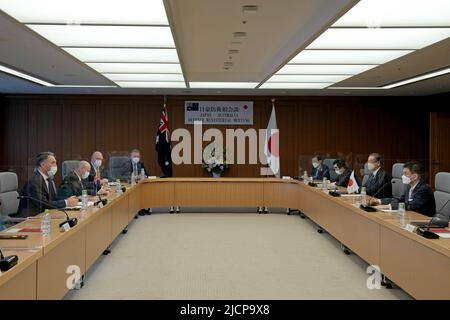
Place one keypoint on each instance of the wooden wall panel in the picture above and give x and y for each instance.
(74, 126)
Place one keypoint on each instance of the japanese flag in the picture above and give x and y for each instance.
(271, 145)
(352, 184)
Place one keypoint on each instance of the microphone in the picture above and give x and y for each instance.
(72, 221)
(8, 262)
(103, 201)
(368, 207)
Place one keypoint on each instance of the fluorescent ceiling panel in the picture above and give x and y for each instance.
(25, 76)
(379, 13)
(348, 56)
(143, 77)
(371, 38)
(124, 55)
(418, 78)
(335, 69)
(106, 36)
(223, 85)
(87, 11)
(307, 78)
(290, 85)
(125, 84)
(136, 67)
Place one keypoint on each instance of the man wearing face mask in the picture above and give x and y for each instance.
(379, 180)
(343, 173)
(77, 181)
(418, 195)
(98, 175)
(135, 165)
(42, 187)
(319, 170)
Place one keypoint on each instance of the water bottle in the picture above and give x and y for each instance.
(133, 179)
(305, 177)
(142, 173)
(363, 196)
(119, 187)
(84, 200)
(325, 185)
(401, 214)
(46, 223)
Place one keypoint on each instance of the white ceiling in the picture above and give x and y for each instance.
(203, 34)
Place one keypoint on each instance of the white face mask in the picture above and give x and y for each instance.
(136, 159)
(315, 165)
(86, 175)
(371, 166)
(97, 163)
(52, 172)
(339, 172)
(406, 180)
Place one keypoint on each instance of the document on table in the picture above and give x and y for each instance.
(79, 206)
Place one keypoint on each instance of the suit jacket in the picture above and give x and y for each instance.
(37, 188)
(374, 183)
(320, 173)
(73, 186)
(127, 169)
(103, 174)
(342, 179)
(421, 201)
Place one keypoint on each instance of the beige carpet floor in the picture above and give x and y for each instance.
(227, 256)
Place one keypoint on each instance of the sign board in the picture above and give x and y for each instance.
(219, 112)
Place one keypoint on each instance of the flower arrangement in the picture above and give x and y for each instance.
(214, 160)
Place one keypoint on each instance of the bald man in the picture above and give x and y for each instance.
(77, 181)
(98, 175)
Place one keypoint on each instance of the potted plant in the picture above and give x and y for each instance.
(214, 161)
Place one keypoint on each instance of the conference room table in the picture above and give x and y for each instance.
(419, 266)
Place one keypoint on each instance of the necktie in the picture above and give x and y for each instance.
(51, 189)
(135, 169)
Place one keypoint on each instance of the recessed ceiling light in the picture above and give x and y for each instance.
(307, 78)
(233, 51)
(338, 69)
(223, 85)
(290, 85)
(124, 55)
(149, 12)
(370, 38)
(144, 77)
(348, 56)
(418, 78)
(150, 84)
(136, 67)
(397, 13)
(24, 76)
(106, 36)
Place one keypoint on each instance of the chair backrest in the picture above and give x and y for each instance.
(442, 194)
(116, 164)
(366, 174)
(329, 164)
(68, 166)
(398, 188)
(8, 193)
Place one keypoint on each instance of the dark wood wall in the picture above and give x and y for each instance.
(74, 126)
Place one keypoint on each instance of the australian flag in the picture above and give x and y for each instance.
(163, 147)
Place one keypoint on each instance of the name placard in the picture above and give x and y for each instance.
(219, 112)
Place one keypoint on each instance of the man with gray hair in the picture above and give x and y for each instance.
(42, 189)
(77, 181)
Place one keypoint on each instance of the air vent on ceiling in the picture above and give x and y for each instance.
(239, 34)
(249, 9)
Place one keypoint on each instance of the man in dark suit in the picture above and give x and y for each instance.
(98, 175)
(418, 195)
(78, 180)
(343, 173)
(319, 170)
(135, 166)
(379, 180)
(41, 187)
